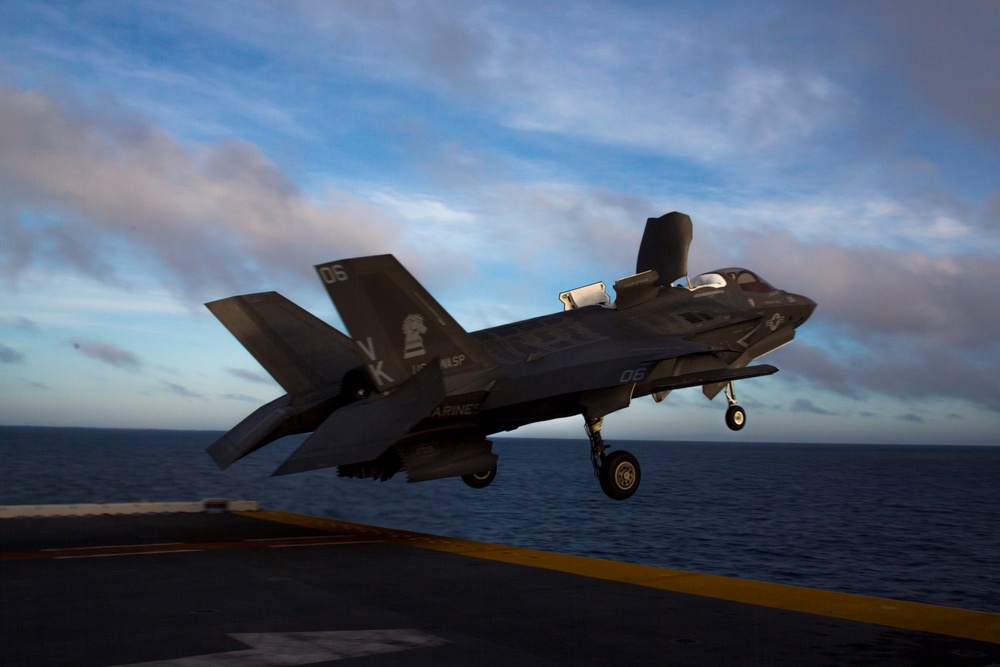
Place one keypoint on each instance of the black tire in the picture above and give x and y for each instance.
(736, 417)
(619, 475)
(481, 480)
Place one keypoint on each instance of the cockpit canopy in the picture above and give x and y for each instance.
(748, 281)
(707, 280)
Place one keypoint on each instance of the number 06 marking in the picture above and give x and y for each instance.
(332, 274)
(630, 375)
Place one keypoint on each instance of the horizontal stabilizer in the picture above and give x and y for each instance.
(365, 429)
(250, 434)
(269, 422)
(302, 353)
(710, 376)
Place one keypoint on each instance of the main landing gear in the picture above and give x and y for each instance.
(736, 417)
(618, 471)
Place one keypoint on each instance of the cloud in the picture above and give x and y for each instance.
(108, 353)
(813, 137)
(907, 370)
(911, 417)
(873, 292)
(563, 225)
(808, 360)
(211, 218)
(657, 80)
(807, 406)
(180, 390)
(904, 324)
(945, 55)
(9, 355)
(22, 324)
(439, 42)
(252, 376)
(243, 398)
(599, 87)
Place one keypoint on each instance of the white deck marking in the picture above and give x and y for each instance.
(323, 544)
(127, 553)
(114, 546)
(305, 648)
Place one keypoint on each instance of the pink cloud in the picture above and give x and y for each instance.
(215, 217)
(108, 353)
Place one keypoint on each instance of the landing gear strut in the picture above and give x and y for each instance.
(617, 472)
(736, 417)
(597, 445)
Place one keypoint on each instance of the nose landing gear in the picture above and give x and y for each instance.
(618, 472)
(736, 417)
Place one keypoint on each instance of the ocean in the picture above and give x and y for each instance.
(918, 523)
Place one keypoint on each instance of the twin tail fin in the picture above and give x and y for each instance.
(397, 325)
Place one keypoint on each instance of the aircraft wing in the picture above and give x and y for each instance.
(567, 372)
(363, 430)
(721, 375)
(781, 337)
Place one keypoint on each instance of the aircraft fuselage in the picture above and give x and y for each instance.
(410, 389)
(545, 364)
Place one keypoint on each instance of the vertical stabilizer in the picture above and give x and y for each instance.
(397, 325)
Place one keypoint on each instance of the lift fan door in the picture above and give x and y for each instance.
(664, 247)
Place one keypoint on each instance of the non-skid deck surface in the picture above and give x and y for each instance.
(257, 588)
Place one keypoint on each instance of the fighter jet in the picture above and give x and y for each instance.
(411, 390)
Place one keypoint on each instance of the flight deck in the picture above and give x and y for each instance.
(224, 583)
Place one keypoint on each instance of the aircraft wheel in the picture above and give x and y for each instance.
(736, 417)
(479, 480)
(619, 475)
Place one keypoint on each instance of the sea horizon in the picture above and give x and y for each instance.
(512, 435)
(909, 522)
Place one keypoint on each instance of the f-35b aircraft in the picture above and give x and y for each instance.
(411, 390)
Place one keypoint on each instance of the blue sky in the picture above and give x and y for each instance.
(154, 156)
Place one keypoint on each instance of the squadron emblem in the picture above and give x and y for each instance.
(413, 332)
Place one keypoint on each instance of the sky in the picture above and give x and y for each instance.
(155, 156)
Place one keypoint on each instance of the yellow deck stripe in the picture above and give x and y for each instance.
(981, 626)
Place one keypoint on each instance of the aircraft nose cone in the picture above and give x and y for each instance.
(802, 309)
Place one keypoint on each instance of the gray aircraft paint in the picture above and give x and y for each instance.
(413, 391)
